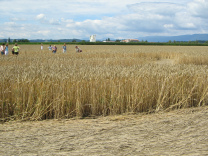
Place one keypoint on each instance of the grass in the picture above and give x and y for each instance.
(103, 80)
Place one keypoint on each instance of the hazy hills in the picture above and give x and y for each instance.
(194, 37)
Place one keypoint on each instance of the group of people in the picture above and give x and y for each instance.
(5, 49)
(54, 48)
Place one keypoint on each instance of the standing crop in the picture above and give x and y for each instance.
(103, 80)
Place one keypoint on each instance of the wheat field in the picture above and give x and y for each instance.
(102, 80)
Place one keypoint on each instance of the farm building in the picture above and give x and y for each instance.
(130, 40)
(108, 41)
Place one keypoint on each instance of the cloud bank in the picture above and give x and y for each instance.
(42, 19)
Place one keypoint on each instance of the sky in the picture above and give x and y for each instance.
(114, 19)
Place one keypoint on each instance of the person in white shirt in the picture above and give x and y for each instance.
(6, 49)
(2, 49)
(78, 50)
(64, 48)
(50, 47)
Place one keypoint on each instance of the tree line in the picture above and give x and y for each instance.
(117, 42)
(17, 41)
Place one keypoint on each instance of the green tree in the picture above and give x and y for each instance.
(24, 40)
(83, 42)
(196, 42)
(108, 39)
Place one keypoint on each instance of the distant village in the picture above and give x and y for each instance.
(195, 38)
(91, 39)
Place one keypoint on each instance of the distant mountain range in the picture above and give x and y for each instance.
(46, 40)
(194, 37)
(185, 38)
(60, 40)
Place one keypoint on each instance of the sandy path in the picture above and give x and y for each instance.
(181, 132)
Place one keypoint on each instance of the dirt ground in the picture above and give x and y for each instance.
(180, 132)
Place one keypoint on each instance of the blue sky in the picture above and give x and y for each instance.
(116, 19)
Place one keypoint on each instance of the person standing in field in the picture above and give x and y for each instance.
(41, 47)
(2, 49)
(64, 48)
(54, 49)
(7, 49)
(49, 48)
(16, 49)
(78, 50)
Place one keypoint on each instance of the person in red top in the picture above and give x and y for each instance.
(54, 49)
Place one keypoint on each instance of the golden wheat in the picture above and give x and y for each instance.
(103, 80)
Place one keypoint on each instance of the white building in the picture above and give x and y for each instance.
(130, 40)
(93, 38)
(108, 41)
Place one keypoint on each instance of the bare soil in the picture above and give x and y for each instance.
(180, 132)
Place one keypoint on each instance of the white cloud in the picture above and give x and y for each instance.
(9, 23)
(116, 19)
(45, 32)
(198, 8)
(43, 19)
(168, 25)
(40, 16)
(163, 8)
(54, 22)
(18, 19)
